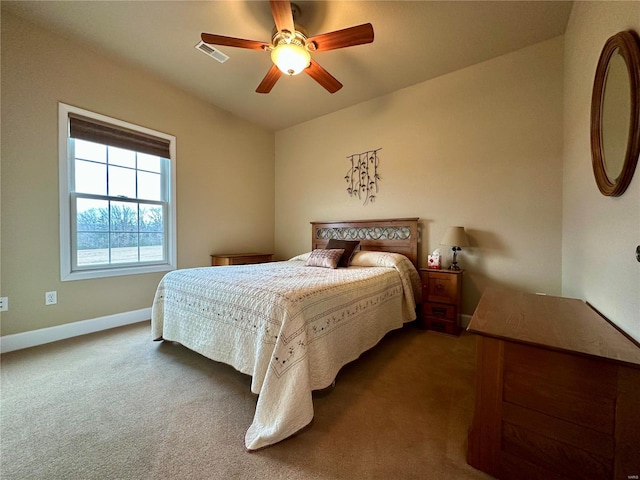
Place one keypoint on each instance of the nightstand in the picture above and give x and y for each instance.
(240, 258)
(441, 300)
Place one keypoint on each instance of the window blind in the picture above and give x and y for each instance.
(93, 131)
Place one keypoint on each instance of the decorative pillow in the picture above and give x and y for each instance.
(327, 258)
(349, 247)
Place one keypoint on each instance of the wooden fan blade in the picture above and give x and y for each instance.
(232, 42)
(282, 15)
(269, 80)
(323, 77)
(347, 37)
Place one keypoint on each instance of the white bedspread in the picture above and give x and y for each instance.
(289, 326)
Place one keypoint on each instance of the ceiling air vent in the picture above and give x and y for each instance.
(212, 52)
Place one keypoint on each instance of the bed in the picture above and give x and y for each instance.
(292, 326)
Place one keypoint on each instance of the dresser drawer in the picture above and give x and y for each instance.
(439, 310)
(442, 287)
(442, 325)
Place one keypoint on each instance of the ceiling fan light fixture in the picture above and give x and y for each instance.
(290, 58)
(291, 46)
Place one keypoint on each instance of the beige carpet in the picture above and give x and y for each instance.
(115, 405)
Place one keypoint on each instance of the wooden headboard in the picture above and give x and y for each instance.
(398, 235)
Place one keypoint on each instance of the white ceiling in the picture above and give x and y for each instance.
(414, 41)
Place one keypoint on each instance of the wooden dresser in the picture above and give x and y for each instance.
(441, 300)
(240, 258)
(557, 391)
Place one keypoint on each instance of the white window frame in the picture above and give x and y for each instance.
(67, 206)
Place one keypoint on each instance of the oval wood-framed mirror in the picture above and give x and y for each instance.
(615, 114)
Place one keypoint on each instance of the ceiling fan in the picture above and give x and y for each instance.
(290, 46)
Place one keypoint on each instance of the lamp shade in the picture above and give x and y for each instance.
(455, 237)
(290, 58)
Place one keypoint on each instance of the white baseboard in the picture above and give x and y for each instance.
(18, 341)
(464, 320)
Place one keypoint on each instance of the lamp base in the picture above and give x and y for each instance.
(454, 263)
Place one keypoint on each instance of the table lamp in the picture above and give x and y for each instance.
(455, 237)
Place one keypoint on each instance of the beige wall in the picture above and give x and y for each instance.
(225, 174)
(600, 233)
(480, 147)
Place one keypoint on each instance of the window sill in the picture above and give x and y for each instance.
(115, 272)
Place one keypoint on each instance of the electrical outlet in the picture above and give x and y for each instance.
(50, 298)
(4, 304)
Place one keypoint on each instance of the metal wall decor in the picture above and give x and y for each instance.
(363, 176)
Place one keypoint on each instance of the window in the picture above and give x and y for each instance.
(117, 197)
